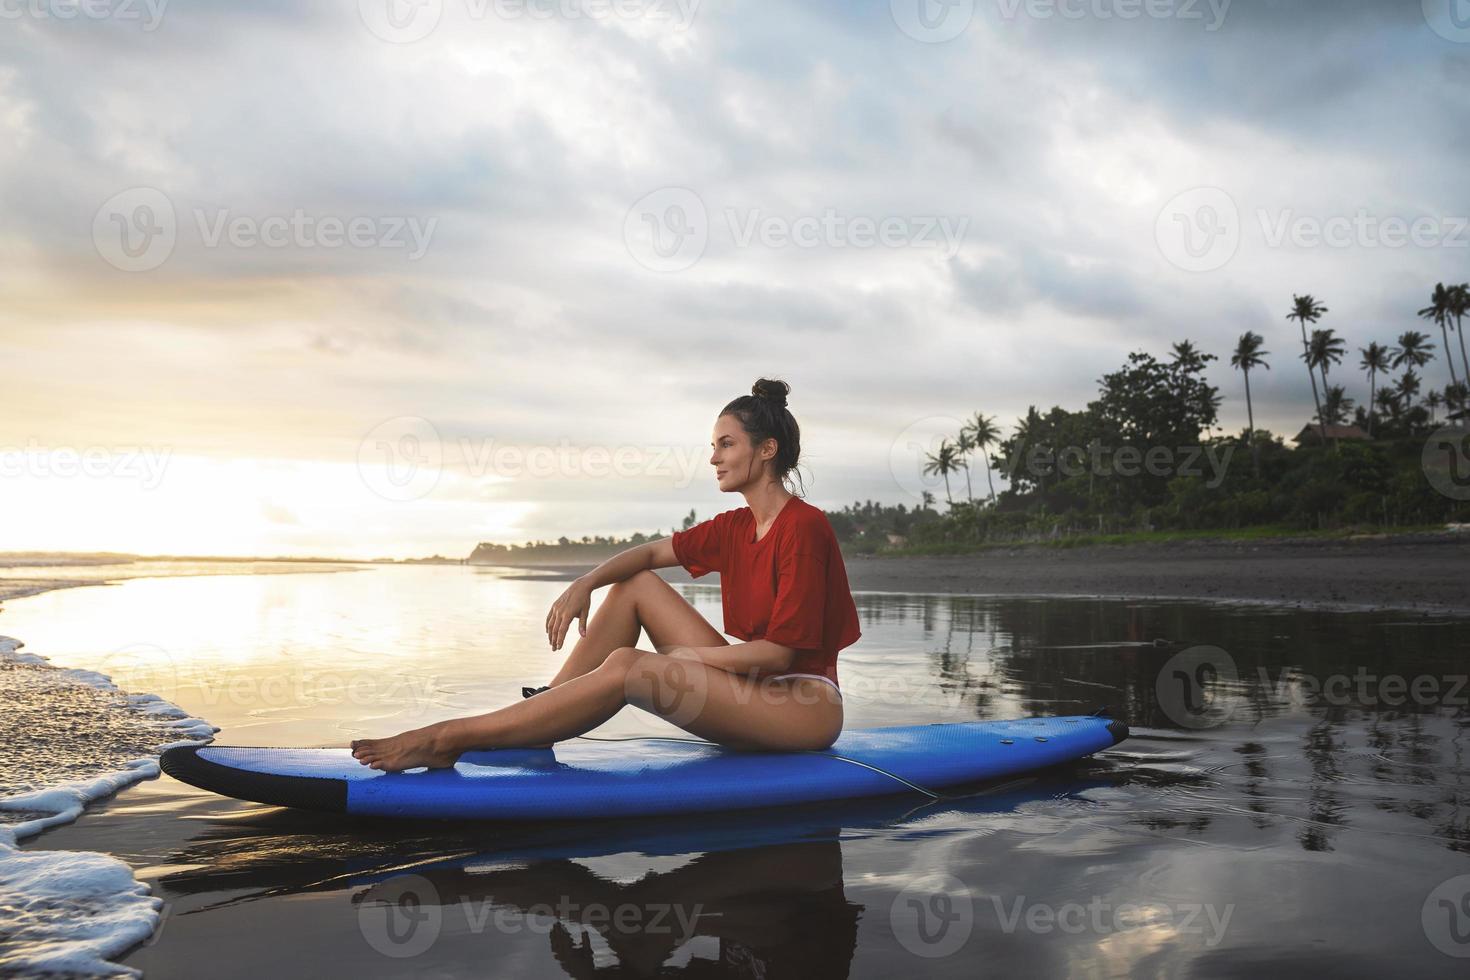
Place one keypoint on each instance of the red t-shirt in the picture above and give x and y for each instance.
(790, 587)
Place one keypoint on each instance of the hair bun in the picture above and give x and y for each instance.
(774, 392)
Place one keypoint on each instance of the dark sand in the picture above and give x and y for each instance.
(1429, 573)
(1425, 572)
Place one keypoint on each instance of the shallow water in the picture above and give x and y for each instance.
(1295, 794)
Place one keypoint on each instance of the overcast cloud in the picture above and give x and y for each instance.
(261, 232)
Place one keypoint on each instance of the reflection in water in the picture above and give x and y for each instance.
(1313, 814)
(751, 894)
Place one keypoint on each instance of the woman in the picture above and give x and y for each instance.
(785, 595)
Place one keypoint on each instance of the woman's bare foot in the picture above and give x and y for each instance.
(407, 750)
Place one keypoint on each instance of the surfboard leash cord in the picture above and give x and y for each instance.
(829, 755)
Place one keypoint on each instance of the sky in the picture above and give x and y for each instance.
(386, 278)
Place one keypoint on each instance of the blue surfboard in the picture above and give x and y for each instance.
(644, 776)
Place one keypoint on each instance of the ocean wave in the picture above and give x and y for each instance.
(73, 737)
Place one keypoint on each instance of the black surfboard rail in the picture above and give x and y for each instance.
(183, 763)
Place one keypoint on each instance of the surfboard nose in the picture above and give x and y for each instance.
(1118, 729)
(187, 765)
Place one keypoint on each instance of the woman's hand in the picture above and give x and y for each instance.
(573, 604)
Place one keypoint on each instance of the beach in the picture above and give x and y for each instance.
(1428, 573)
(1418, 572)
(317, 659)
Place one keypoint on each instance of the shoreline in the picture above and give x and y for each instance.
(1422, 573)
(1425, 573)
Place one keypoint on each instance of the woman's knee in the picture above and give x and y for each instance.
(622, 660)
(633, 584)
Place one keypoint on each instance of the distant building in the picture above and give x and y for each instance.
(1313, 433)
(898, 540)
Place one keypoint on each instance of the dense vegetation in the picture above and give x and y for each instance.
(1143, 456)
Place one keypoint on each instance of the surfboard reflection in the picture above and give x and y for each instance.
(773, 911)
(756, 893)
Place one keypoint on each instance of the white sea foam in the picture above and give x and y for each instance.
(69, 911)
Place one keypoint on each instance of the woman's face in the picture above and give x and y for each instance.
(736, 462)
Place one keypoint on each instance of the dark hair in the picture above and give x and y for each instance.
(763, 415)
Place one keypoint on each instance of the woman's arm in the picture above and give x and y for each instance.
(576, 601)
(626, 564)
(740, 658)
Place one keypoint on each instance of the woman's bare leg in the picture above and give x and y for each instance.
(732, 709)
(642, 601)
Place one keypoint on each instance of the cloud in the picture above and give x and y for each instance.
(1053, 141)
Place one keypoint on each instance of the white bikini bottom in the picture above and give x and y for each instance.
(821, 677)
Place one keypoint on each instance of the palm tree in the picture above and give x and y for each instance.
(1390, 397)
(1375, 359)
(1187, 355)
(1327, 349)
(1248, 354)
(984, 433)
(1455, 397)
(1306, 310)
(944, 462)
(1459, 306)
(964, 446)
(1028, 436)
(1408, 387)
(1337, 405)
(1414, 350)
(1434, 399)
(1439, 312)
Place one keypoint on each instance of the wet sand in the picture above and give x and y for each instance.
(1429, 573)
(1426, 572)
